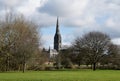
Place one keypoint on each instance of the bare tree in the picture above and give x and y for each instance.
(93, 46)
(19, 40)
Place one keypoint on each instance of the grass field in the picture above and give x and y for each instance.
(78, 75)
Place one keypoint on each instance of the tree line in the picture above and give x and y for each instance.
(20, 48)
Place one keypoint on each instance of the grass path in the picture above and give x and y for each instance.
(80, 75)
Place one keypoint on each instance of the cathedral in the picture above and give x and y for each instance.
(57, 38)
(57, 42)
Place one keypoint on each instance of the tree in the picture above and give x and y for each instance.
(93, 46)
(18, 41)
(65, 55)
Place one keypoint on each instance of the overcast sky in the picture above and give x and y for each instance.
(76, 17)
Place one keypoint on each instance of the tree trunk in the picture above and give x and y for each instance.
(7, 63)
(94, 66)
(23, 69)
(91, 66)
(59, 63)
(79, 63)
(87, 65)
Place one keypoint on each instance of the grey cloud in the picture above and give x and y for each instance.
(63, 7)
(85, 15)
(79, 12)
(11, 4)
(90, 16)
(117, 2)
(54, 7)
(109, 31)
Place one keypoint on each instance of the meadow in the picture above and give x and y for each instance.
(69, 75)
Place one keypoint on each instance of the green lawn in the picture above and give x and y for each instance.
(80, 75)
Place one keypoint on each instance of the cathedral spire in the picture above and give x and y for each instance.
(57, 27)
(57, 37)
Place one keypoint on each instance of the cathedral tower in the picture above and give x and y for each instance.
(57, 37)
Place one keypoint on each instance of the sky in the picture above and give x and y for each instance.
(76, 17)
